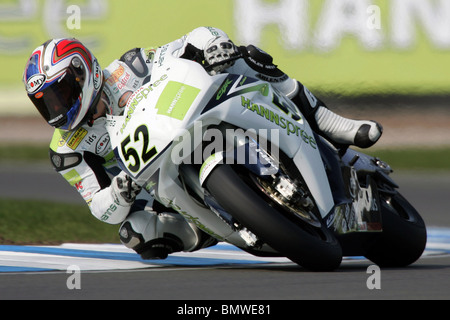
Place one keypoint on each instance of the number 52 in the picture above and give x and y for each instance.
(145, 153)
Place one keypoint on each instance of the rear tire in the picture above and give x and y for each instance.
(404, 235)
(313, 248)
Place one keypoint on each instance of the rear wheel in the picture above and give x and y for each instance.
(312, 247)
(404, 235)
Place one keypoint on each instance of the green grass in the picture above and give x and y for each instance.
(415, 159)
(42, 222)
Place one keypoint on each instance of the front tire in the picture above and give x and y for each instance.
(313, 248)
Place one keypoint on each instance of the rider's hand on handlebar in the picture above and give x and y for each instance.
(220, 50)
(125, 190)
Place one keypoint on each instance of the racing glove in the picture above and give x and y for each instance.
(124, 189)
(217, 50)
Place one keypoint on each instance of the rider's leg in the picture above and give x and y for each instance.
(337, 129)
(156, 233)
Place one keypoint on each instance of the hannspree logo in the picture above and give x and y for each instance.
(290, 127)
(35, 83)
(138, 96)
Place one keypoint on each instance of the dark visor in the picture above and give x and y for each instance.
(56, 101)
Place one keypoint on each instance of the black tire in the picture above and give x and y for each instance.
(404, 235)
(316, 250)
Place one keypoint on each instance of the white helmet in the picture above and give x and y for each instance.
(64, 82)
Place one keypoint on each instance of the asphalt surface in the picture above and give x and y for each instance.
(428, 278)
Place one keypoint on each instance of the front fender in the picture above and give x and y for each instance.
(248, 154)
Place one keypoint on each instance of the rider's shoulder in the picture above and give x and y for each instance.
(124, 76)
(137, 60)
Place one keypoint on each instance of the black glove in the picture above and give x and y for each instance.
(219, 50)
(125, 189)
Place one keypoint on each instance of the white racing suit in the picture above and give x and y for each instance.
(85, 159)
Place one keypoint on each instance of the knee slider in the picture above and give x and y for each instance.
(156, 235)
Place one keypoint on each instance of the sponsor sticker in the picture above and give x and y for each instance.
(97, 75)
(35, 82)
(76, 138)
(102, 144)
(73, 177)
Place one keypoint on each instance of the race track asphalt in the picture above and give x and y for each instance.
(428, 278)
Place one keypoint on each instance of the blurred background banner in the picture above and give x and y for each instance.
(347, 48)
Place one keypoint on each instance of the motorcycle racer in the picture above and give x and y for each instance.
(73, 94)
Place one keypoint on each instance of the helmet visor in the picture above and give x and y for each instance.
(59, 103)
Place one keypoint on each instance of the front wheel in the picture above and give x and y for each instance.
(314, 248)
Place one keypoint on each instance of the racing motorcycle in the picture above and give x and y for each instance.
(237, 158)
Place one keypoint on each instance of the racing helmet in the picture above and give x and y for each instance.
(64, 81)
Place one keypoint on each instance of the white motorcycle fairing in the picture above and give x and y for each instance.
(167, 118)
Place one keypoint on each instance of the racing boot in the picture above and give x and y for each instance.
(155, 235)
(331, 126)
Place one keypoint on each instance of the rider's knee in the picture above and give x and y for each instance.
(156, 235)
